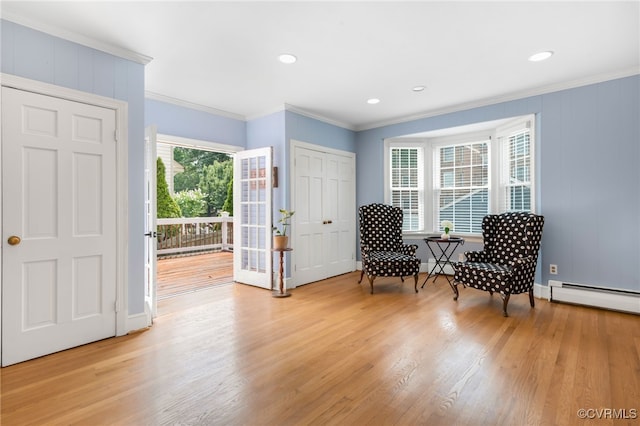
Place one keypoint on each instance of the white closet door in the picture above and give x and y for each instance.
(324, 202)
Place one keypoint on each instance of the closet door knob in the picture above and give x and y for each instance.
(14, 240)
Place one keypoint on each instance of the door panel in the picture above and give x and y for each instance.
(309, 239)
(59, 197)
(252, 257)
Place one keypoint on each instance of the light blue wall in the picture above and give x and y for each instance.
(587, 176)
(38, 56)
(317, 132)
(189, 123)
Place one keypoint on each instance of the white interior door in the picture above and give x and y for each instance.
(150, 221)
(310, 247)
(340, 213)
(324, 202)
(59, 199)
(252, 211)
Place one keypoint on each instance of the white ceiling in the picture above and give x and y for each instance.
(223, 55)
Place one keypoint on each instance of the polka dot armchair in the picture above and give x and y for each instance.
(507, 265)
(383, 252)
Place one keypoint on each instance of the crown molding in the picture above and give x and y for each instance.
(505, 98)
(191, 105)
(78, 38)
(303, 112)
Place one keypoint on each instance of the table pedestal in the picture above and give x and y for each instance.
(280, 292)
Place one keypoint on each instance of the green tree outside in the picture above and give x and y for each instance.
(192, 202)
(228, 203)
(167, 207)
(206, 171)
(214, 182)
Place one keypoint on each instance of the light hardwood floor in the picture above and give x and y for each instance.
(335, 354)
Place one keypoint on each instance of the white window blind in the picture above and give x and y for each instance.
(516, 150)
(406, 184)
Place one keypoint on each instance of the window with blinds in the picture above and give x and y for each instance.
(461, 187)
(517, 171)
(407, 188)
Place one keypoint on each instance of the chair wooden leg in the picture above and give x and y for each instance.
(415, 277)
(454, 287)
(531, 301)
(402, 278)
(361, 275)
(371, 278)
(505, 300)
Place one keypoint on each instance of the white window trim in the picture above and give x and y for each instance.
(429, 145)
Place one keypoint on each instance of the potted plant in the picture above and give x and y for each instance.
(280, 238)
(447, 226)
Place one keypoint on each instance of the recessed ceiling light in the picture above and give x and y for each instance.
(287, 58)
(373, 101)
(541, 56)
(418, 88)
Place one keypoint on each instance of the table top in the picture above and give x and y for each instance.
(282, 249)
(439, 239)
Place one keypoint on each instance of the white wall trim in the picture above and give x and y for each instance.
(186, 104)
(122, 178)
(541, 291)
(197, 144)
(506, 98)
(77, 38)
(139, 321)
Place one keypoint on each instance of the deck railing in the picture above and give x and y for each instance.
(192, 234)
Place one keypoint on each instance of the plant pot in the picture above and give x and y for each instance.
(444, 236)
(280, 242)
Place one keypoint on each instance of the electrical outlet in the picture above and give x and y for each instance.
(553, 269)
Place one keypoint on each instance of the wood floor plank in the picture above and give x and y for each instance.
(184, 274)
(333, 354)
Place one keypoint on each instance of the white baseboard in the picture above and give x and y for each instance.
(138, 322)
(541, 291)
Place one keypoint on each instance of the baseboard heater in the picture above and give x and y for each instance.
(580, 294)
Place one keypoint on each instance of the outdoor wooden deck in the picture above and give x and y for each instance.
(179, 275)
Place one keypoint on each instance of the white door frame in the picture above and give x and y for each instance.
(122, 179)
(152, 301)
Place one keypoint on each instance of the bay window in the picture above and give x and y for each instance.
(461, 176)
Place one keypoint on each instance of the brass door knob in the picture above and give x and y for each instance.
(14, 240)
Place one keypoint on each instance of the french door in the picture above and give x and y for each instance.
(150, 222)
(252, 211)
